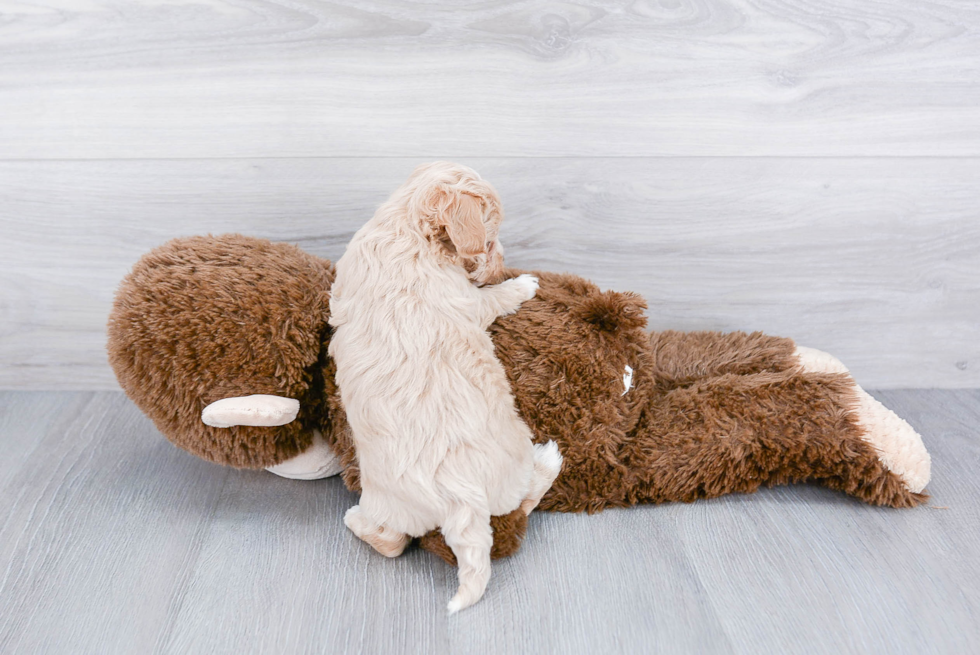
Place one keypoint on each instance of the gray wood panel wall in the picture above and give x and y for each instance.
(809, 168)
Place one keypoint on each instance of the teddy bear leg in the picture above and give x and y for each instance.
(738, 432)
(386, 541)
(316, 462)
(898, 445)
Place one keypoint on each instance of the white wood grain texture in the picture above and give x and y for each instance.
(248, 78)
(874, 260)
(112, 541)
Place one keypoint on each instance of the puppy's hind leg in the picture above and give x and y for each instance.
(547, 466)
(468, 534)
(384, 540)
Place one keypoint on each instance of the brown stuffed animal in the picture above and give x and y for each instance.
(206, 322)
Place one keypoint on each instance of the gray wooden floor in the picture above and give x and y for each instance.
(113, 541)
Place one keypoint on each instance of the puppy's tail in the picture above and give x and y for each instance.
(467, 532)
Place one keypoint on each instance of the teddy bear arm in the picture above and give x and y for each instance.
(256, 409)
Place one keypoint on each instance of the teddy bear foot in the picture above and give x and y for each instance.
(317, 461)
(898, 445)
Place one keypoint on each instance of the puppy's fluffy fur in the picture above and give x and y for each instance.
(439, 441)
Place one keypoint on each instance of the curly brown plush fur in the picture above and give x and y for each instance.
(205, 318)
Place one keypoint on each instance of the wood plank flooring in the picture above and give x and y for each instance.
(113, 541)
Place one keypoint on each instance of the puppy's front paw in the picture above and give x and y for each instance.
(508, 296)
(527, 284)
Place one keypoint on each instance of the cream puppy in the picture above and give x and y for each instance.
(439, 441)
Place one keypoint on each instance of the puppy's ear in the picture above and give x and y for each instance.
(463, 220)
(450, 202)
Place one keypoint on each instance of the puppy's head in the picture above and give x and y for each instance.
(460, 214)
